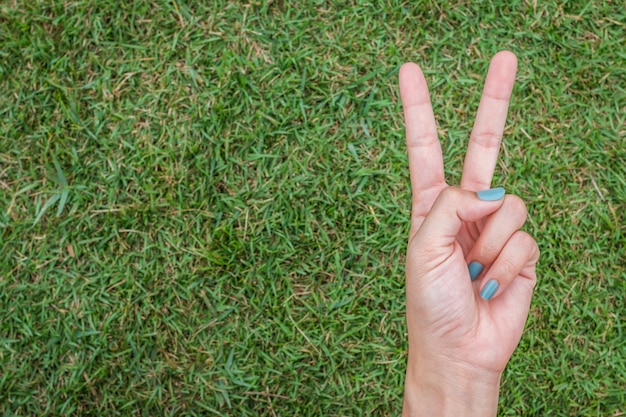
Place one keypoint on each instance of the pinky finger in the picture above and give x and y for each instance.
(520, 252)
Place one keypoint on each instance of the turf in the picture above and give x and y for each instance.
(204, 205)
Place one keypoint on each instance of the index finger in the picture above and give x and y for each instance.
(486, 136)
(425, 157)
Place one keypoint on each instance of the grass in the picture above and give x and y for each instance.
(204, 205)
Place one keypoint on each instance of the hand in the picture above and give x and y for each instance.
(470, 271)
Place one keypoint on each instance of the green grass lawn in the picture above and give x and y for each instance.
(204, 207)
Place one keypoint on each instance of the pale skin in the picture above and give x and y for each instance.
(459, 342)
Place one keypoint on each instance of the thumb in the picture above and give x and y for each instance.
(452, 208)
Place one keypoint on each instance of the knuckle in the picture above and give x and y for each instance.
(526, 241)
(486, 139)
(489, 249)
(509, 267)
(447, 194)
(516, 207)
(422, 139)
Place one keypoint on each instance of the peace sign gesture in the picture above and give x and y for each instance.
(470, 271)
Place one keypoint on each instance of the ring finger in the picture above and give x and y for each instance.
(497, 231)
(516, 254)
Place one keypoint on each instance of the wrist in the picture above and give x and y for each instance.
(458, 390)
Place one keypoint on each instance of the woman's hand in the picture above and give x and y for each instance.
(470, 271)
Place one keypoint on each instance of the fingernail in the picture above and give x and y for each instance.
(489, 289)
(475, 269)
(493, 194)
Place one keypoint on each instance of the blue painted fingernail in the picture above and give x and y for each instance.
(493, 194)
(475, 269)
(489, 289)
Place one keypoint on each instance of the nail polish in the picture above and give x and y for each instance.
(489, 289)
(493, 194)
(475, 268)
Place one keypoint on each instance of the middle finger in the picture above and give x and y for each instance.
(486, 136)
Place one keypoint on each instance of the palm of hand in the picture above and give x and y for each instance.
(461, 325)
